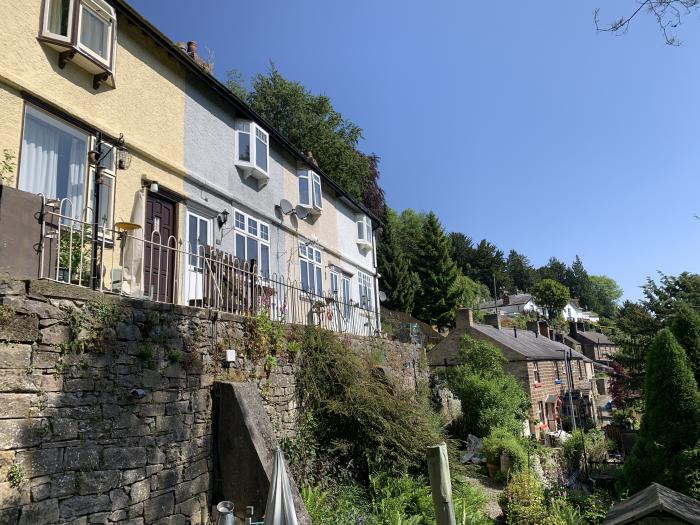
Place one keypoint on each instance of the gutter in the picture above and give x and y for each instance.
(163, 41)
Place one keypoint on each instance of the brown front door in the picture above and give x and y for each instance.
(159, 260)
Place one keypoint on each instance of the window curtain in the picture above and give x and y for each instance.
(39, 166)
(93, 32)
(76, 179)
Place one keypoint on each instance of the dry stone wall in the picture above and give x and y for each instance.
(106, 408)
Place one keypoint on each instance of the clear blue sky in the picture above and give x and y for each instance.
(513, 121)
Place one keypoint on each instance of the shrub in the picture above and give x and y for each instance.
(501, 440)
(522, 500)
(596, 448)
(566, 512)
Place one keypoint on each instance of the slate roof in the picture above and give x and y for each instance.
(532, 348)
(655, 498)
(594, 337)
(513, 300)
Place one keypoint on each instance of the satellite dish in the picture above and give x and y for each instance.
(382, 297)
(286, 206)
(301, 212)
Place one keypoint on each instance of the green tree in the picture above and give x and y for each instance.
(670, 428)
(397, 280)
(551, 295)
(578, 282)
(235, 82)
(410, 226)
(604, 295)
(437, 272)
(488, 261)
(311, 123)
(685, 325)
(470, 293)
(520, 270)
(554, 269)
(490, 398)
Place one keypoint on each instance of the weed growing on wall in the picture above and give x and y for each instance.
(15, 475)
(90, 325)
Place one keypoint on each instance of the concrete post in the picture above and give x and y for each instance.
(440, 484)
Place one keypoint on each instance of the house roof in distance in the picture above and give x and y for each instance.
(654, 499)
(513, 300)
(594, 337)
(527, 344)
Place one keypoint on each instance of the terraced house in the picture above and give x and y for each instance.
(153, 180)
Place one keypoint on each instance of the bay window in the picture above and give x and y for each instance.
(365, 285)
(364, 232)
(53, 161)
(252, 151)
(83, 31)
(310, 269)
(310, 190)
(252, 241)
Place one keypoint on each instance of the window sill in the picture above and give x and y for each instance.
(537, 384)
(312, 210)
(251, 171)
(68, 52)
(364, 246)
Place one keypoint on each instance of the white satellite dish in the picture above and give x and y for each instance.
(301, 212)
(286, 206)
(382, 297)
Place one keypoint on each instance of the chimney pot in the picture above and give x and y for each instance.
(192, 48)
(515, 332)
(494, 320)
(464, 318)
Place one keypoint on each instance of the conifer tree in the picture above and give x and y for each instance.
(437, 273)
(397, 280)
(685, 325)
(670, 428)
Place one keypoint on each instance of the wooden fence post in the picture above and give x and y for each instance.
(440, 484)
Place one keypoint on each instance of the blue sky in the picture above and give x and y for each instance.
(513, 121)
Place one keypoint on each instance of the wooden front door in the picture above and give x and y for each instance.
(159, 255)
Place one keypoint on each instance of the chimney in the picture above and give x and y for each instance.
(192, 48)
(533, 327)
(580, 326)
(544, 329)
(464, 318)
(573, 329)
(493, 319)
(310, 157)
(505, 298)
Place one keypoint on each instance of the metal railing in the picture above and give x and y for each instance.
(163, 270)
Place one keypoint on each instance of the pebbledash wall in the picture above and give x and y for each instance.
(79, 442)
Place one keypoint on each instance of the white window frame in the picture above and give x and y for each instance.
(365, 284)
(104, 12)
(46, 32)
(109, 172)
(245, 231)
(309, 180)
(310, 264)
(193, 251)
(363, 231)
(536, 372)
(250, 128)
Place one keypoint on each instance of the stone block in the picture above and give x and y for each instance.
(119, 499)
(9, 516)
(19, 433)
(13, 497)
(45, 360)
(133, 475)
(40, 462)
(15, 405)
(167, 478)
(19, 381)
(14, 355)
(101, 518)
(78, 385)
(159, 507)
(128, 332)
(41, 513)
(140, 491)
(124, 458)
(41, 492)
(20, 329)
(97, 482)
(55, 334)
(195, 469)
(190, 489)
(81, 505)
(7, 458)
(63, 484)
(82, 458)
(42, 309)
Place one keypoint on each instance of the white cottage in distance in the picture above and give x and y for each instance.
(523, 303)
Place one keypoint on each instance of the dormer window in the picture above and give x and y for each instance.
(84, 32)
(252, 151)
(310, 190)
(364, 232)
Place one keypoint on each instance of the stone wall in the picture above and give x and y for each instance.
(106, 403)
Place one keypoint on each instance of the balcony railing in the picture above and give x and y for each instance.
(162, 270)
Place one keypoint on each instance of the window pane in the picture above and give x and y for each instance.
(253, 227)
(94, 32)
(240, 248)
(360, 231)
(265, 260)
(264, 232)
(260, 154)
(334, 283)
(192, 239)
(244, 146)
(368, 231)
(317, 256)
(252, 249)
(304, 271)
(304, 191)
(203, 232)
(239, 220)
(312, 278)
(57, 17)
(319, 281)
(317, 193)
(107, 157)
(54, 160)
(106, 192)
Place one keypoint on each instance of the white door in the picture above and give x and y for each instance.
(198, 236)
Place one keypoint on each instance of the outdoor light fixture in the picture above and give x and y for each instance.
(98, 155)
(222, 218)
(152, 185)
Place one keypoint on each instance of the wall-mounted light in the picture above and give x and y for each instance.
(152, 185)
(222, 218)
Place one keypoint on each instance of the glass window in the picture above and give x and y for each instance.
(365, 288)
(346, 297)
(252, 241)
(334, 285)
(197, 238)
(304, 195)
(58, 15)
(239, 220)
(244, 146)
(540, 410)
(106, 197)
(261, 149)
(318, 203)
(264, 232)
(264, 260)
(54, 161)
(94, 32)
(536, 371)
(310, 269)
(240, 248)
(252, 250)
(252, 226)
(364, 229)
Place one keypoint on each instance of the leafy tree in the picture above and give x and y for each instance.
(551, 295)
(462, 252)
(397, 280)
(236, 84)
(604, 295)
(470, 293)
(409, 229)
(437, 272)
(311, 123)
(578, 282)
(685, 325)
(520, 270)
(670, 428)
(554, 269)
(490, 397)
(488, 261)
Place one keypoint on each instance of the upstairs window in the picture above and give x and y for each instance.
(252, 151)
(536, 371)
(84, 31)
(364, 231)
(310, 190)
(310, 269)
